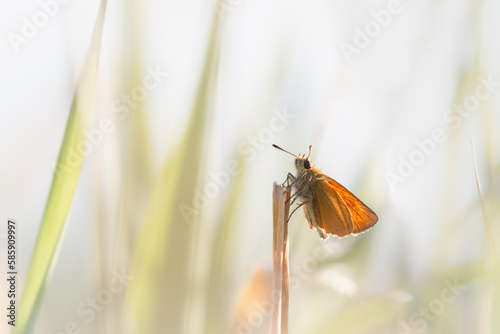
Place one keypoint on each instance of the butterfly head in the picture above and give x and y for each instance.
(302, 163)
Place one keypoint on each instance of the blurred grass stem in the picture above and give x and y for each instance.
(483, 210)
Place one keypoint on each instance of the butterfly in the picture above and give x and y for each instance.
(329, 207)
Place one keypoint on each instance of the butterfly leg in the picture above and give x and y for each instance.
(288, 178)
(294, 196)
(290, 216)
(295, 179)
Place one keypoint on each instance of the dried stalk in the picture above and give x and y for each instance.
(281, 208)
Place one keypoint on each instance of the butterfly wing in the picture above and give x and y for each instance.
(309, 213)
(309, 204)
(327, 212)
(362, 217)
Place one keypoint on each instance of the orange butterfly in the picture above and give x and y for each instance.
(330, 208)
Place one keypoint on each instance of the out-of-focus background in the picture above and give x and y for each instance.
(167, 228)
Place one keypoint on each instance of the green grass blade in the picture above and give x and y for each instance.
(64, 183)
(159, 296)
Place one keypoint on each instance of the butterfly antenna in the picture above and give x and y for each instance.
(309, 151)
(279, 148)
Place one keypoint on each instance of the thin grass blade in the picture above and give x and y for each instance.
(483, 210)
(64, 182)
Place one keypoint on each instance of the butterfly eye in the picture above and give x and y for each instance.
(307, 165)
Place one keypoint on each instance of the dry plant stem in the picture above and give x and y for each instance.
(281, 209)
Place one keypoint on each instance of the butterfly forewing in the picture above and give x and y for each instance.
(362, 217)
(330, 211)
